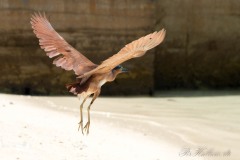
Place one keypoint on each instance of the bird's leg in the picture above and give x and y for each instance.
(81, 115)
(86, 127)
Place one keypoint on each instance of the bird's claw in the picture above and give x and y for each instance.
(80, 126)
(86, 128)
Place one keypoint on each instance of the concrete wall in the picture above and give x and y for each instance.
(96, 28)
(201, 49)
(202, 45)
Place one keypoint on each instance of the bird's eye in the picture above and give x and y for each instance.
(117, 67)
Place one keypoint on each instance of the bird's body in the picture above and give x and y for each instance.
(91, 84)
(90, 77)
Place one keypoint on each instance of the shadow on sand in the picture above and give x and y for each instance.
(196, 93)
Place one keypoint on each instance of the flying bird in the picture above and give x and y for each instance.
(90, 76)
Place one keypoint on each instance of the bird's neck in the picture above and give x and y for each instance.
(112, 76)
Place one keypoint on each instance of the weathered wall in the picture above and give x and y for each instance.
(201, 49)
(202, 45)
(96, 28)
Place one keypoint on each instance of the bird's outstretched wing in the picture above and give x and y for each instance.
(67, 58)
(134, 49)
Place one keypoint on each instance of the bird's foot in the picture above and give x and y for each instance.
(80, 126)
(86, 127)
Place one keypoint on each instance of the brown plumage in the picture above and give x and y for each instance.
(90, 77)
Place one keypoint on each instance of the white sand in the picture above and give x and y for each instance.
(45, 128)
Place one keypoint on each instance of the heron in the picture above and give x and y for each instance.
(90, 77)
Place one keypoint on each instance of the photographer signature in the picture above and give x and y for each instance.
(203, 152)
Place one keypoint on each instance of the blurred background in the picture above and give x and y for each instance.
(200, 51)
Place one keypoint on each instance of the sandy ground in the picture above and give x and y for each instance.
(163, 128)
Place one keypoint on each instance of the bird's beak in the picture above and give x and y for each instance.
(124, 70)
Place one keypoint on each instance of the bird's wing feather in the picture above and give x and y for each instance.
(134, 49)
(67, 57)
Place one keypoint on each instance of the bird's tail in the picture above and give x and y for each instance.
(72, 87)
(75, 88)
(79, 86)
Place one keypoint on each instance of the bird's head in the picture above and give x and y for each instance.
(120, 69)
